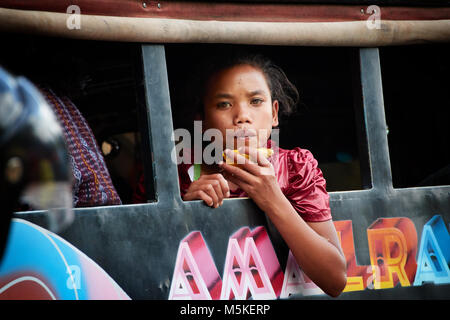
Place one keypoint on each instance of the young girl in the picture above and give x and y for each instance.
(242, 98)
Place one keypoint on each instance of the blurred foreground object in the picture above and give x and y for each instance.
(34, 164)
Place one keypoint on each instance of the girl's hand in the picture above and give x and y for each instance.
(256, 176)
(211, 188)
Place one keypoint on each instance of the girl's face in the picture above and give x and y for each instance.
(239, 99)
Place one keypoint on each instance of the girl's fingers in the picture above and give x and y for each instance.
(243, 163)
(199, 195)
(210, 184)
(255, 155)
(220, 185)
(236, 174)
(264, 168)
(217, 190)
(236, 180)
(210, 188)
(224, 184)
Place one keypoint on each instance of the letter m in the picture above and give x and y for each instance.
(251, 267)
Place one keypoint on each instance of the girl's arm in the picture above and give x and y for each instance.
(315, 246)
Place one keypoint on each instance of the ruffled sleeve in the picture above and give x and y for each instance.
(305, 187)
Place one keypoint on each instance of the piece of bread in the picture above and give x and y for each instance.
(265, 151)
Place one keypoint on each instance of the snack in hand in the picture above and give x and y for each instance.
(265, 151)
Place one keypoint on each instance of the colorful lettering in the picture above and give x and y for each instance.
(251, 267)
(195, 275)
(357, 276)
(296, 281)
(392, 249)
(434, 253)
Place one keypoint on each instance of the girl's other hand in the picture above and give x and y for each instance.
(211, 188)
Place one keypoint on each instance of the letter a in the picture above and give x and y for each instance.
(434, 253)
(195, 275)
(74, 20)
(296, 281)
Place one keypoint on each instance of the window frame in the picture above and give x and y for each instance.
(368, 108)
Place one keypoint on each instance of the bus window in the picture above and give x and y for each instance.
(416, 99)
(327, 122)
(98, 81)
